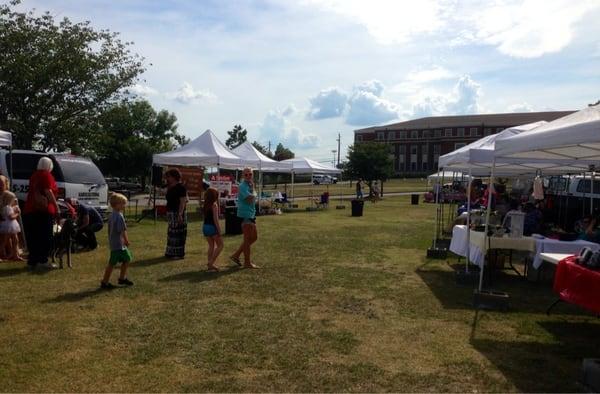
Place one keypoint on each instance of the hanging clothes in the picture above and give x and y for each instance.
(538, 188)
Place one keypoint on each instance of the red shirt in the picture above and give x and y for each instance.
(41, 180)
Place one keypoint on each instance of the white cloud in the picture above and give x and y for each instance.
(372, 86)
(416, 80)
(142, 90)
(328, 103)
(522, 107)
(389, 21)
(464, 99)
(277, 127)
(187, 95)
(290, 110)
(365, 108)
(531, 28)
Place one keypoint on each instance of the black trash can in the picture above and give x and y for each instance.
(414, 199)
(357, 207)
(233, 224)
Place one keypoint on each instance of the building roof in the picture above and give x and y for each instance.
(491, 120)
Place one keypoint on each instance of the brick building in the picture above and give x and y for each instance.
(417, 144)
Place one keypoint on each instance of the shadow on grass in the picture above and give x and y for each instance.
(200, 276)
(78, 296)
(4, 273)
(151, 261)
(525, 297)
(553, 366)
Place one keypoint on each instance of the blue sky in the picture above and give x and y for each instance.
(300, 72)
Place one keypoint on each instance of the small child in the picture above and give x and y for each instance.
(9, 227)
(118, 240)
(211, 228)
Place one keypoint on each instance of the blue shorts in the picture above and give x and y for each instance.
(209, 230)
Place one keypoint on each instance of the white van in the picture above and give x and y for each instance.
(76, 176)
(570, 197)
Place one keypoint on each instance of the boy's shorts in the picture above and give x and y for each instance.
(120, 256)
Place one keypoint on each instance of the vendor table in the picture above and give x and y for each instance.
(554, 258)
(479, 247)
(546, 245)
(577, 285)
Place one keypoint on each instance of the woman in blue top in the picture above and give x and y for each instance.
(246, 211)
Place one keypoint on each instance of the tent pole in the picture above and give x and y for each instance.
(436, 191)
(292, 186)
(467, 258)
(592, 194)
(487, 218)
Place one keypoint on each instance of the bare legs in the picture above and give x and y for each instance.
(109, 269)
(250, 236)
(215, 247)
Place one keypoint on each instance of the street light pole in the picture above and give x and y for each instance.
(333, 162)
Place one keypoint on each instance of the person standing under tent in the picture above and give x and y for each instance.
(246, 211)
(177, 199)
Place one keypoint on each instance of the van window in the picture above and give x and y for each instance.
(26, 163)
(584, 186)
(79, 170)
(557, 184)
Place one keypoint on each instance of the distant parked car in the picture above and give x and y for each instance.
(115, 184)
(324, 180)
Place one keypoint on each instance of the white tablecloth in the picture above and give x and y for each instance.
(479, 247)
(547, 245)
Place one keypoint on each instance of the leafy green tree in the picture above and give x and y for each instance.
(369, 161)
(237, 137)
(129, 133)
(57, 76)
(262, 149)
(282, 153)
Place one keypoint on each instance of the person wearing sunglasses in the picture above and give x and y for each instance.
(246, 211)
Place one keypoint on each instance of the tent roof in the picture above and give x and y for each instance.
(448, 175)
(5, 138)
(303, 165)
(575, 137)
(479, 157)
(206, 150)
(248, 152)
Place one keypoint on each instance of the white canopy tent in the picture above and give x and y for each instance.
(206, 151)
(303, 165)
(5, 138)
(249, 153)
(440, 175)
(573, 137)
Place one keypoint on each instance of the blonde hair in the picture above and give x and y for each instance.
(45, 164)
(117, 198)
(7, 198)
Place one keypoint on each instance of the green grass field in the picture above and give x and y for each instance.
(340, 304)
(348, 188)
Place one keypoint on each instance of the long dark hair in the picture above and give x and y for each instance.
(211, 195)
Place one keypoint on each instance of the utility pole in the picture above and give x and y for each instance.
(333, 162)
(269, 146)
(338, 150)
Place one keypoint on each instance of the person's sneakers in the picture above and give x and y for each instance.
(107, 286)
(48, 266)
(126, 282)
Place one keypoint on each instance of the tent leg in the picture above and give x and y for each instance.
(487, 218)
(467, 258)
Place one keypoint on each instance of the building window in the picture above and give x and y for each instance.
(413, 166)
(380, 135)
(487, 131)
(437, 133)
(459, 145)
(401, 158)
(424, 166)
(413, 150)
(499, 129)
(460, 132)
(393, 149)
(447, 132)
(402, 149)
(391, 135)
(426, 133)
(359, 137)
(436, 149)
(414, 134)
(402, 135)
(473, 131)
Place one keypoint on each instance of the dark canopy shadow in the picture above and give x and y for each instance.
(200, 276)
(545, 367)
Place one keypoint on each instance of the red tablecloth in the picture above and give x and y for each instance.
(577, 285)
